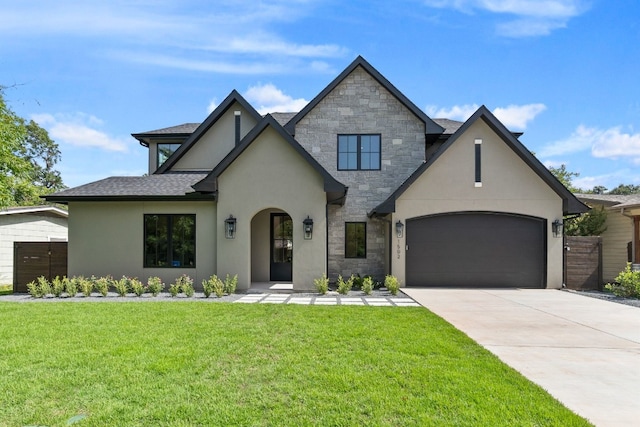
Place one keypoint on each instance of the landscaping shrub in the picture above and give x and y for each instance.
(322, 284)
(367, 285)
(213, 285)
(187, 288)
(218, 288)
(137, 287)
(39, 287)
(70, 286)
(174, 289)
(155, 285)
(230, 284)
(627, 283)
(392, 284)
(184, 284)
(85, 285)
(57, 286)
(101, 284)
(344, 286)
(121, 286)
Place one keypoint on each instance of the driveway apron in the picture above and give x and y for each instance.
(584, 351)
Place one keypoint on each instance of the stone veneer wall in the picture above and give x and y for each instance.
(360, 105)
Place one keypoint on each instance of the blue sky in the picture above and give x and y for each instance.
(564, 72)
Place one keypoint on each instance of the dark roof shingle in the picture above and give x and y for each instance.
(166, 185)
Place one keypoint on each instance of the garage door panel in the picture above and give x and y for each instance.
(476, 250)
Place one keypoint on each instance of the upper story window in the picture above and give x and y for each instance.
(165, 151)
(359, 152)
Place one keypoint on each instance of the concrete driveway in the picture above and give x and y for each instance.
(584, 351)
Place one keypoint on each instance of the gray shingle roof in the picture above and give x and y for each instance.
(617, 200)
(179, 129)
(166, 185)
(283, 118)
(450, 126)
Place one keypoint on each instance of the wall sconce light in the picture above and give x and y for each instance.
(399, 229)
(556, 227)
(308, 228)
(230, 227)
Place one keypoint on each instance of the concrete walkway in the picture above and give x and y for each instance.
(585, 352)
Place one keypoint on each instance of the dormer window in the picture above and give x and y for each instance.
(359, 152)
(165, 151)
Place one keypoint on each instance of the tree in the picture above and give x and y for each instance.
(625, 189)
(565, 177)
(22, 147)
(591, 223)
(43, 154)
(599, 189)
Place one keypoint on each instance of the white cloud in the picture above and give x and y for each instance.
(518, 116)
(212, 105)
(532, 17)
(457, 112)
(609, 143)
(147, 30)
(270, 99)
(79, 130)
(512, 116)
(614, 144)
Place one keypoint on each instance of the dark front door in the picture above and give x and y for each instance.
(281, 247)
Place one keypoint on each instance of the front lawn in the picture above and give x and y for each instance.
(192, 363)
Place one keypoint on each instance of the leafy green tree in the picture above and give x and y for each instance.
(627, 189)
(27, 160)
(598, 189)
(565, 177)
(591, 223)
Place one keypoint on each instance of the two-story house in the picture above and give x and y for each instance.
(361, 181)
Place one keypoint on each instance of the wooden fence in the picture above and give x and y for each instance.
(34, 259)
(583, 262)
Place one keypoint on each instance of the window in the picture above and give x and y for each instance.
(170, 241)
(478, 144)
(355, 240)
(358, 152)
(165, 151)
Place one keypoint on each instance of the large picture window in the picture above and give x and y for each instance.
(170, 241)
(355, 240)
(165, 151)
(358, 152)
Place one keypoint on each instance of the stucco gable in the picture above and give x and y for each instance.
(431, 127)
(334, 189)
(571, 205)
(232, 99)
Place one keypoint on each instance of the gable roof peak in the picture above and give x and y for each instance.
(233, 97)
(431, 127)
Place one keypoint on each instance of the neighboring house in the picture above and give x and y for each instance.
(385, 188)
(621, 239)
(28, 224)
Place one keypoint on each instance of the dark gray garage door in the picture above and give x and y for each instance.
(476, 249)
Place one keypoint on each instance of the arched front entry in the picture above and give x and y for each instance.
(271, 246)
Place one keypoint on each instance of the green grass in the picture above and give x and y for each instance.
(194, 363)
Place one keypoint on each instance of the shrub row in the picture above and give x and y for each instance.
(41, 287)
(627, 283)
(366, 284)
